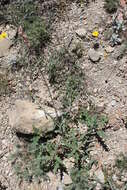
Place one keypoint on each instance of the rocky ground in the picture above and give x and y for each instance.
(106, 80)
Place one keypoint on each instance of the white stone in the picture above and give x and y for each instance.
(81, 32)
(100, 176)
(25, 115)
(5, 44)
(98, 187)
(109, 49)
(67, 179)
(113, 103)
(93, 55)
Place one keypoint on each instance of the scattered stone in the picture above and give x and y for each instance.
(3, 72)
(77, 49)
(109, 49)
(115, 120)
(82, 128)
(113, 103)
(98, 186)
(100, 107)
(123, 179)
(11, 31)
(69, 163)
(95, 90)
(35, 186)
(93, 55)
(67, 179)
(74, 44)
(99, 174)
(108, 33)
(25, 116)
(115, 178)
(5, 44)
(54, 181)
(60, 187)
(100, 30)
(120, 51)
(8, 62)
(81, 32)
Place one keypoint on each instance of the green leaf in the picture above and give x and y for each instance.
(101, 134)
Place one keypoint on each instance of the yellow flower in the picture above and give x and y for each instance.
(3, 35)
(95, 33)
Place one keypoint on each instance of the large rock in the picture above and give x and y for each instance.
(24, 116)
(5, 45)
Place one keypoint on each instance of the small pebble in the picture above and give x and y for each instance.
(81, 32)
(93, 55)
(113, 103)
(109, 49)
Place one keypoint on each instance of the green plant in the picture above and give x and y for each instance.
(4, 84)
(55, 66)
(41, 156)
(81, 2)
(62, 64)
(72, 89)
(121, 162)
(25, 14)
(109, 184)
(95, 123)
(65, 74)
(19, 12)
(81, 179)
(123, 50)
(37, 34)
(118, 170)
(111, 5)
(78, 50)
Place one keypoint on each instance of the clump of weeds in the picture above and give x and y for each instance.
(111, 5)
(5, 86)
(43, 155)
(66, 75)
(33, 30)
